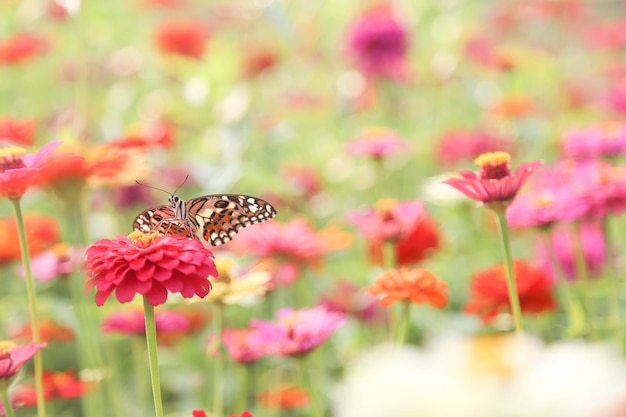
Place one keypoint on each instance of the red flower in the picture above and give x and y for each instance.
(414, 285)
(21, 47)
(490, 292)
(149, 264)
(41, 233)
(19, 171)
(13, 356)
(494, 182)
(63, 385)
(17, 131)
(158, 134)
(185, 38)
(257, 60)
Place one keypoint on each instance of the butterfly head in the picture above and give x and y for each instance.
(174, 200)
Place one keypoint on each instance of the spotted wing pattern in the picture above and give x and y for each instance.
(220, 217)
(162, 218)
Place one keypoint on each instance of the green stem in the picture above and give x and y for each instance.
(309, 384)
(243, 386)
(516, 309)
(405, 319)
(4, 393)
(614, 285)
(151, 339)
(218, 362)
(34, 311)
(389, 255)
(583, 278)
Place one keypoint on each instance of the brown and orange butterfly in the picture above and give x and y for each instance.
(217, 217)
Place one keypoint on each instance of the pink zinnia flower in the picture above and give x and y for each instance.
(19, 171)
(494, 183)
(296, 332)
(59, 260)
(241, 347)
(601, 187)
(13, 356)
(616, 96)
(378, 43)
(291, 245)
(377, 142)
(133, 322)
(17, 131)
(389, 221)
(605, 140)
(151, 265)
(202, 413)
(460, 145)
(347, 298)
(185, 38)
(563, 241)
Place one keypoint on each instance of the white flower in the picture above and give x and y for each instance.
(494, 376)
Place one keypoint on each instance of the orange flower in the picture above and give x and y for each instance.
(41, 233)
(414, 285)
(49, 330)
(284, 397)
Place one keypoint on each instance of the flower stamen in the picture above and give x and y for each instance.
(144, 239)
(11, 158)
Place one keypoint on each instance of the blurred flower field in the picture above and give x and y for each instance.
(415, 208)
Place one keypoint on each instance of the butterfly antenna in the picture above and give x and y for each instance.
(181, 184)
(154, 188)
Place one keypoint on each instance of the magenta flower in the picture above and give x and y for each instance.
(389, 221)
(378, 44)
(346, 298)
(562, 239)
(150, 265)
(601, 187)
(13, 356)
(616, 96)
(605, 140)
(494, 183)
(377, 142)
(296, 332)
(241, 345)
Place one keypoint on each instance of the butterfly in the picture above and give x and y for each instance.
(217, 217)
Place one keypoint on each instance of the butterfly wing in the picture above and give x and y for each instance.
(162, 218)
(220, 217)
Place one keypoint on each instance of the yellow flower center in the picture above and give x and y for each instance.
(386, 205)
(11, 158)
(494, 165)
(610, 129)
(374, 132)
(6, 346)
(544, 199)
(225, 269)
(144, 239)
(62, 250)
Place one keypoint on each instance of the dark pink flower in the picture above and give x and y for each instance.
(601, 187)
(461, 145)
(133, 322)
(494, 182)
(241, 347)
(20, 171)
(13, 356)
(607, 35)
(616, 96)
(377, 142)
(296, 332)
(378, 44)
(151, 265)
(605, 140)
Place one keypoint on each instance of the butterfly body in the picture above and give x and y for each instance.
(216, 217)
